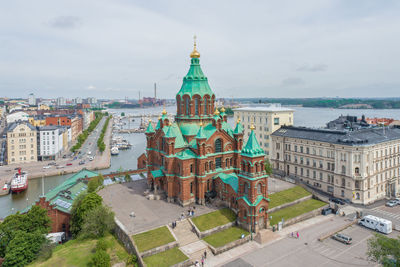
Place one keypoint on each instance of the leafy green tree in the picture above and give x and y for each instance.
(97, 222)
(101, 244)
(267, 167)
(384, 250)
(122, 114)
(94, 183)
(23, 248)
(8, 229)
(81, 206)
(101, 259)
(128, 178)
(37, 220)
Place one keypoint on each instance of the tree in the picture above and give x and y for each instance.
(128, 178)
(23, 248)
(37, 220)
(97, 222)
(384, 250)
(80, 207)
(101, 259)
(94, 183)
(122, 114)
(268, 167)
(8, 229)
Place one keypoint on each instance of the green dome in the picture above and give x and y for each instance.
(195, 82)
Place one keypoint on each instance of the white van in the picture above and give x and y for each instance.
(56, 238)
(376, 223)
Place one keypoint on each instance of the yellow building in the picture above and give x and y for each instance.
(43, 107)
(21, 143)
(37, 121)
(266, 120)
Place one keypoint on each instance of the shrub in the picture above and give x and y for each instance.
(128, 178)
(46, 251)
(101, 259)
(101, 244)
(97, 222)
(132, 259)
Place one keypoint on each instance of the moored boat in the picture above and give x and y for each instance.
(19, 182)
(114, 151)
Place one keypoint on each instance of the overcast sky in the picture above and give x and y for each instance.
(113, 49)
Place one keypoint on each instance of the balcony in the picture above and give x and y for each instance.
(357, 176)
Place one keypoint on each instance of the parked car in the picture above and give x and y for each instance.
(327, 211)
(65, 156)
(89, 153)
(391, 203)
(342, 238)
(81, 162)
(337, 200)
(52, 163)
(397, 200)
(91, 158)
(47, 167)
(69, 164)
(59, 167)
(75, 158)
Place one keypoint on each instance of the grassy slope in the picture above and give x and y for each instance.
(224, 237)
(166, 258)
(79, 253)
(153, 238)
(286, 196)
(295, 210)
(214, 219)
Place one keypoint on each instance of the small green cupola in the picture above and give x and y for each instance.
(238, 128)
(252, 147)
(150, 128)
(200, 133)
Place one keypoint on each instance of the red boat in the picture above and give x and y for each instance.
(19, 182)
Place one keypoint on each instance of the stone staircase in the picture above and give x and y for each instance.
(188, 241)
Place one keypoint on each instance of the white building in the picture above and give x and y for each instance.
(31, 100)
(61, 101)
(17, 116)
(266, 120)
(50, 140)
(78, 100)
(92, 100)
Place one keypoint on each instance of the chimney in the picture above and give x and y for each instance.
(155, 90)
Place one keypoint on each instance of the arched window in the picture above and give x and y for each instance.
(191, 187)
(357, 170)
(259, 188)
(248, 168)
(191, 168)
(243, 166)
(196, 106)
(246, 188)
(343, 169)
(256, 166)
(357, 195)
(206, 166)
(187, 106)
(205, 106)
(218, 145)
(210, 165)
(227, 163)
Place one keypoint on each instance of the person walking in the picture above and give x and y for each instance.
(298, 235)
(292, 235)
(202, 261)
(205, 254)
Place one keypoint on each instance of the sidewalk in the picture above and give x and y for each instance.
(248, 247)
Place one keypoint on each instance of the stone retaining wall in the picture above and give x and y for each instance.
(162, 248)
(304, 216)
(127, 241)
(290, 204)
(210, 231)
(229, 246)
(325, 236)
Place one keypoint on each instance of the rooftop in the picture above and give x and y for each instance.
(360, 137)
(271, 108)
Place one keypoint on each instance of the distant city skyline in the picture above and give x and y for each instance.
(114, 49)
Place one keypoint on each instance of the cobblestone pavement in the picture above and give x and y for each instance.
(276, 185)
(128, 197)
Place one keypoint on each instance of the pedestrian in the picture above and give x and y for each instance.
(298, 235)
(205, 254)
(202, 261)
(292, 235)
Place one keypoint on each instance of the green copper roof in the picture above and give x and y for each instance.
(195, 82)
(227, 128)
(230, 179)
(186, 154)
(256, 202)
(238, 128)
(150, 128)
(201, 134)
(252, 148)
(174, 131)
(157, 173)
(158, 126)
(189, 128)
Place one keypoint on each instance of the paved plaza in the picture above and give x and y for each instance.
(128, 197)
(276, 185)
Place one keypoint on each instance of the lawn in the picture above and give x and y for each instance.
(214, 219)
(295, 210)
(153, 238)
(224, 237)
(79, 253)
(165, 258)
(287, 196)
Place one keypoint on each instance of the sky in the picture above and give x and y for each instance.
(114, 49)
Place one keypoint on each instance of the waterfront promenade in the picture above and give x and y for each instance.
(36, 170)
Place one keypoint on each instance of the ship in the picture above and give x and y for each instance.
(114, 150)
(19, 182)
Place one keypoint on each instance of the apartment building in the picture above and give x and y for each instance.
(266, 120)
(73, 121)
(51, 142)
(21, 143)
(359, 165)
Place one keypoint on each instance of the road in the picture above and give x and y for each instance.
(35, 169)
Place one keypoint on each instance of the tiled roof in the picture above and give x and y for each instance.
(252, 148)
(230, 179)
(157, 173)
(360, 137)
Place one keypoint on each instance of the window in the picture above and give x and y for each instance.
(205, 106)
(191, 187)
(218, 145)
(343, 170)
(196, 106)
(276, 121)
(218, 162)
(259, 188)
(187, 105)
(191, 168)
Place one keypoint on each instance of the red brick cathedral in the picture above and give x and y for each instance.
(199, 154)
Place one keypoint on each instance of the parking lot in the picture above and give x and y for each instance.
(389, 213)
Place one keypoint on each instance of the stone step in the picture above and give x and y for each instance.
(184, 233)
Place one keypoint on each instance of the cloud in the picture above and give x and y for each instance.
(91, 88)
(66, 22)
(313, 68)
(292, 81)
